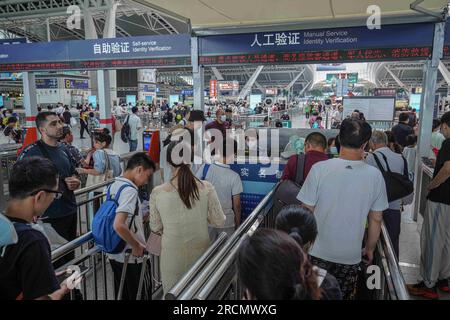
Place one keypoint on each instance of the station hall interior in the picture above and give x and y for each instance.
(121, 81)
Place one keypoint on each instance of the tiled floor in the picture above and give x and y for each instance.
(410, 249)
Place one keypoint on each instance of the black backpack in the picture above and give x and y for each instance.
(125, 133)
(287, 191)
(398, 185)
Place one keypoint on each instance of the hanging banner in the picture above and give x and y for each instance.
(46, 83)
(391, 42)
(115, 53)
(213, 88)
(76, 84)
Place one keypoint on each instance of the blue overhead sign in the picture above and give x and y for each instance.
(389, 36)
(13, 41)
(162, 50)
(187, 92)
(51, 83)
(398, 42)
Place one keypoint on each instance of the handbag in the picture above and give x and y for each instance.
(105, 176)
(398, 185)
(287, 191)
(154, 244)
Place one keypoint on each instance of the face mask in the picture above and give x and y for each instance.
(333, 150)
(8, 233)
(223, 118)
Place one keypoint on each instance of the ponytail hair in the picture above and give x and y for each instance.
(296, 235)
(187, 182)
(298, 222)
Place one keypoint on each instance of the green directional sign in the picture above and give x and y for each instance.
(352, 77)
(333, 78)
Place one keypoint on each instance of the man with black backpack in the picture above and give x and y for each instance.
(297, 169)
(383, 156)
(128, 224)
(315, 151)
(62, 213)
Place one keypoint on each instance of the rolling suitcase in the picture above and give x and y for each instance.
(141, 278)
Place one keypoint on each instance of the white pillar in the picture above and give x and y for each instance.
(109, 31)
(104, 99)
(198, 76)
(91, 33)
(427, 110)
(29, 98)
(49, 38)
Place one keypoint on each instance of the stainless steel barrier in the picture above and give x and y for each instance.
(393, 286)
(182, 284)
(98, 282)
(7, 158)
(218, 279)
(226, 286)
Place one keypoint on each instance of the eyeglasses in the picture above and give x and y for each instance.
(58, 194)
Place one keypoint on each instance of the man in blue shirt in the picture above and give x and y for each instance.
(62, 213)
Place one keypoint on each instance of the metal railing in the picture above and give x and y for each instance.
(250, 120)
(393, 286)
(218, 279)
(98, 282)
(187, 279)
(7, 158)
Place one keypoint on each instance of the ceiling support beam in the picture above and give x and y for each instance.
(396, 79)
(248, 86)
(289, 86)
(217, 73)
(444, 71)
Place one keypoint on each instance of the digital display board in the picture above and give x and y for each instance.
(415, 53)
(103, 64)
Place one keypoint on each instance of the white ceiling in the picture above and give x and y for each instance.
(223, 13)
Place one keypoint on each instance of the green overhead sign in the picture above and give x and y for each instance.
(332, 78)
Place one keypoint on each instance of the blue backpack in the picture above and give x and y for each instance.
(105, 237)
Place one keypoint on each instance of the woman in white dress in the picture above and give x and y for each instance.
(181, 210)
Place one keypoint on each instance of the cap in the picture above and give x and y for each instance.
(196, 115)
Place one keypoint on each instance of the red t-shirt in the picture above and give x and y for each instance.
(311, 158)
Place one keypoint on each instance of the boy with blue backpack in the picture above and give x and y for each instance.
(118, 226)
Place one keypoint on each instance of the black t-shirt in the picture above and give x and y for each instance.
(66, 116)
(441, 194)
(26, 267)
(64, 162)
(401, 131)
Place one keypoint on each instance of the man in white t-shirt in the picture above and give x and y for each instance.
(135, 125)
(128, 224)
(228, 186)
(343, 193)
